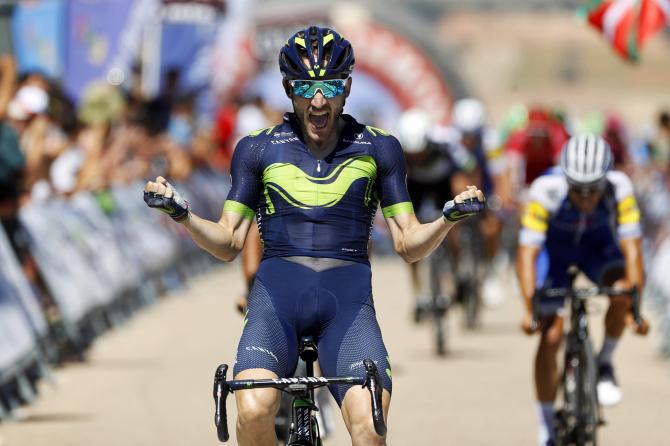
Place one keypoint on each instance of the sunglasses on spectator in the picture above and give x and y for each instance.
(308, 88)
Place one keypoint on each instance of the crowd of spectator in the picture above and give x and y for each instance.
(51, 146)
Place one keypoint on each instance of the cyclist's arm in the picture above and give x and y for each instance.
(629, 231)
(413, 240)
(534, 225)
(223, 239)
(633, 261)
(525, 270)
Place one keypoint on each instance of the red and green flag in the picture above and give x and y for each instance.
(627, 24)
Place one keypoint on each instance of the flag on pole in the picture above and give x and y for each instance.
(627, 24)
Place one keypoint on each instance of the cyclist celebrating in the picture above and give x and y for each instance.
(584, 214)
(314, 182)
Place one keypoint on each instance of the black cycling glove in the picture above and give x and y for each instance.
(176, 206)
(454, 212)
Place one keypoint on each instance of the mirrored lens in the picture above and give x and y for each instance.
(307, 88)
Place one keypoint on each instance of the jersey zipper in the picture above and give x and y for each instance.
(318, 166)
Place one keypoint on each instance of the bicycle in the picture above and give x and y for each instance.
(465, 269)
(304, 430)
(468, 270)
(578, 419)
(438, 305)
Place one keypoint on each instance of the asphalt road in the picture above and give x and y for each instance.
(149, 382)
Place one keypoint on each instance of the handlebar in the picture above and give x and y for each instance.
(222, 388)
(373, 383)
(221, 391)
(585, 293)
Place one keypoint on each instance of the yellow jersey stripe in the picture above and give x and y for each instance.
(627, 211)
(535, 217)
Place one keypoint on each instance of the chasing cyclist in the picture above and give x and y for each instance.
(435, 167)
(583, 214)
(314, 183)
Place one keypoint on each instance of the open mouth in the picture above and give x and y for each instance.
(319, 121)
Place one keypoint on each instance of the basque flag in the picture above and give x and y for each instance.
(627, 24)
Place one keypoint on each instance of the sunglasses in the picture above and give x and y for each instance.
(328, 88)
(587, 191)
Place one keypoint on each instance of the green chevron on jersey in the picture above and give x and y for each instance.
(308, 192)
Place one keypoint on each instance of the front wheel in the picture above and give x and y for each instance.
(577, 421)
(472, 303)
(587, 399)
(440, 335)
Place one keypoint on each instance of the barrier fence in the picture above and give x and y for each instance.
(101, 257)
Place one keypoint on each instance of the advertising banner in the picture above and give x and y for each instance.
(93, 31)
(38, 29)
(187, 47)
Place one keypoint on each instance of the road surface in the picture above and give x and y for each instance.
(149, 382)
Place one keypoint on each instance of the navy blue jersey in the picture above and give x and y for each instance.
(307, 206)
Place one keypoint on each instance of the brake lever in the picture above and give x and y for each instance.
(373, 383)
(221, 391)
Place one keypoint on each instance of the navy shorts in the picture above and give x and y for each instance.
(594, 261)
(289, 300)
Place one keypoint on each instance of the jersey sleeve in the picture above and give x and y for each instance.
(535, 215)
(245, 175)
(628, 212)
(392, 177)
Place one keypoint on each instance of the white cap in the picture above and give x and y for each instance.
(29, 100)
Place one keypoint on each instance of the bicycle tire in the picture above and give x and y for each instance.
(471, 303)
(565, 421)
(440, 335)
(438, 305)
(587, 398)
(468, 272)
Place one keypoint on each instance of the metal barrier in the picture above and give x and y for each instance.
(21, 326)
(101, 257)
